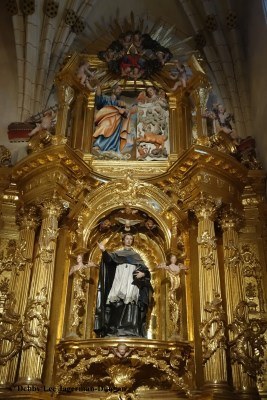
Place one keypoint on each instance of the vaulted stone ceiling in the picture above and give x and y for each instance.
(45, 31)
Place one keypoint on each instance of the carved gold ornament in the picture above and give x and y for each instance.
(233, 259)
(125, 364)
(36, 323)
(212, 330)
(79, 301)
(49, 236)
(247, 347)
(10, 325)
(209, 244)
(14, 257)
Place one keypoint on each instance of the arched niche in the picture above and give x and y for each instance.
(153, 246)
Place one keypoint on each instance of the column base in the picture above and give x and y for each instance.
(14, 395)
(72, 336)
(28, 383)
(218, 391)
(249, 395)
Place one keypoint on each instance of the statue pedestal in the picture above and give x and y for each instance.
(125, 365)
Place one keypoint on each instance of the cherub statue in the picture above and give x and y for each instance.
(84, 75)
(47, 122)
(105, 225)
(173, 267)
(178, 74)
(80, 266)
(150, 224)
(122, 350)
(128, 210)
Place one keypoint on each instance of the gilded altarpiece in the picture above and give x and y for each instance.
(191, 205)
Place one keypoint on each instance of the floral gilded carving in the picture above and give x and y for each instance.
(10, 325)
(79, 301)
(14, 256)
(206, 206)
(49, 236)
(247, 347)
(36, 323)
(124, 365)
(212, 330)
(208, 244)
(233, 258)
(252, 270)
(250, 264)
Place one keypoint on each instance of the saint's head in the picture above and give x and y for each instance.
(128, 240)
(117, 89)
(79, 258)
(173, 259)
(151, 92)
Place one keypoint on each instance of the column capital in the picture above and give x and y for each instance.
(230, 218)
(205, 207)
(28, 217)
(200, 94)
(65, 94)
(53, 206)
